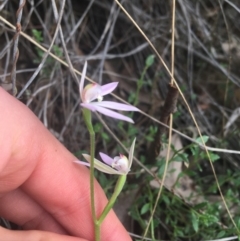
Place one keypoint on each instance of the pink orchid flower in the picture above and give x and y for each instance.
(95, 91)
(119, 165)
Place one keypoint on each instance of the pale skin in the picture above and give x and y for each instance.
(41, 189)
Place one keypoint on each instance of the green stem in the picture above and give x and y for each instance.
(88, 121)
(118, 188)
(97, 231)
(139, 86)
(92, 151)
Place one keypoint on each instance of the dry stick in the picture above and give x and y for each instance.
(47, 52)
(15, 46)
(76, 26)
(166, 117)
(104, 32)
(229, 61)
(168, 108)
(182, 4)
(189, 110)
(112, 21)
(232, 5)
(70, 66)
(6, 64)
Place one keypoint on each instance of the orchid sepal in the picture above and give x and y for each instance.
(81, 84)
(101, 166)
(107, 112)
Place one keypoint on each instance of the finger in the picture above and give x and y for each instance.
(44, 167)
(19, 208)
(10, 235)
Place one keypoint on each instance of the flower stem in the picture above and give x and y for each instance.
(88, 121)
(92, 152)
(118, 188)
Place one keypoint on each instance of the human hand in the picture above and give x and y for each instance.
(41, 189)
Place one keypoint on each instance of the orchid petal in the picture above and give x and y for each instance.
(89, 106)
(107, 159)
(112, 114)
(130, 156)
(101, 166)
(81, 84)
(82, 163)
(116, 106)
(108, 88)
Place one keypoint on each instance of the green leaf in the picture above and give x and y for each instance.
(161, 170)
(166, 200)
(195, 221)
(105, 136)
(221, 234)
(181, 157)
(200, 205)
(132, 131)
(205, 139)
(208, 219)
(149, 138)
(179, 233)
(57, 51)
(193, 150)
(97, 127)
(37, 35)
(145, 208)
(214, 157)
(149, 60)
